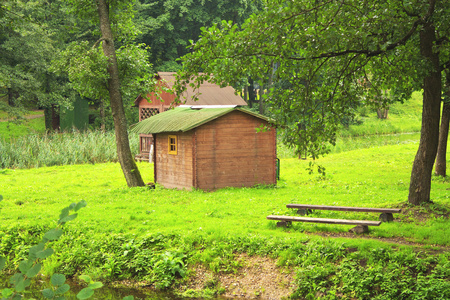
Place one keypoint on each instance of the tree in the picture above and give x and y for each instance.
(129, 168)
(28, 41)
(98, 74)
(441, 164)
(168, 25)
(324, 50)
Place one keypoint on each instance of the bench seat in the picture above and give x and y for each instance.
(344, 208)
(323, 220)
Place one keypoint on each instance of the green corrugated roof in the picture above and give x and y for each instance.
(184, 119)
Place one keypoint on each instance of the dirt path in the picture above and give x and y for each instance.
(394, 240)
(28, 117)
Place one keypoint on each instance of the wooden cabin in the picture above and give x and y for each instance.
(151, 105)
(211, 148)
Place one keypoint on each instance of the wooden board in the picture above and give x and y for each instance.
(323, 220)
(174, 171)
(344, 208)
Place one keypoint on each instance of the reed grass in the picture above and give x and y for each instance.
(69, 148)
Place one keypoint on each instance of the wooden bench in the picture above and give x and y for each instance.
(361, 225)
(386, 213)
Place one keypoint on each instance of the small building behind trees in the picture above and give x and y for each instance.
(66, 119)
(208, 94)
(211, 148)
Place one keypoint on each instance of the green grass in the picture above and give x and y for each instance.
(13, 130)
(377, 177)
(10, 131)
(402, 118)
(111, 238)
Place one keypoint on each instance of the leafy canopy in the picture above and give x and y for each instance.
(319, 58)
(85, 64)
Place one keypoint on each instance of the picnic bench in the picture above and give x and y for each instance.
(362, 226)
(386, 213)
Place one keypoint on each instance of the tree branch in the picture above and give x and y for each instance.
(99, 41)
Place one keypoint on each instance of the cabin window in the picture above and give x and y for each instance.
(173, 146)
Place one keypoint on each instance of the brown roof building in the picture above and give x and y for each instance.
(209, 94)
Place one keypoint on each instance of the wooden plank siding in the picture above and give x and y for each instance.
(174, 171)
(230, 152)
(162, 102)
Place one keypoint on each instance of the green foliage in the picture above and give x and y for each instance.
(26, 49)
(86, 68)
(121, 16)
(31, 266)
(381, 274)
(167, 26)
(166, 267)
(58, 289)
(87, 292)
(321, 61)
(2, 259)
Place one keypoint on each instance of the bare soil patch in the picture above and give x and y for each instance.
(423, 213)
(259, 278)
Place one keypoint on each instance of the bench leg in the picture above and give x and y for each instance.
(359, 229)
(386, 217)
(284, 224)
(304, 212)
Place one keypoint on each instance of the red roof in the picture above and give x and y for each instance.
(207, 94)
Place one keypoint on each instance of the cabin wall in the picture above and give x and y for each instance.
(174, 170)
(230, 152)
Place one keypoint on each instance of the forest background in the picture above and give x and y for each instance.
(34, 34)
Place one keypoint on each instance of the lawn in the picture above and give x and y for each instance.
(11, 130)
(375, 177)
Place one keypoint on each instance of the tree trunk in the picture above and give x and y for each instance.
(129, 168)
(382, 113)
(246, 94)
(10, 97)
(102, 116)
(420, 186)
(383, 110)
(251, 92)
(261, 101)
(48, 119)
(440, 165)
(55, 118)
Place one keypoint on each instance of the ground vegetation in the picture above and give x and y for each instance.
(163, 238)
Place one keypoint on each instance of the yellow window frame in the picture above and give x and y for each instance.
(173, 144)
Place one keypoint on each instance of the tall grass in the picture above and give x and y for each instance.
(52, 149)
